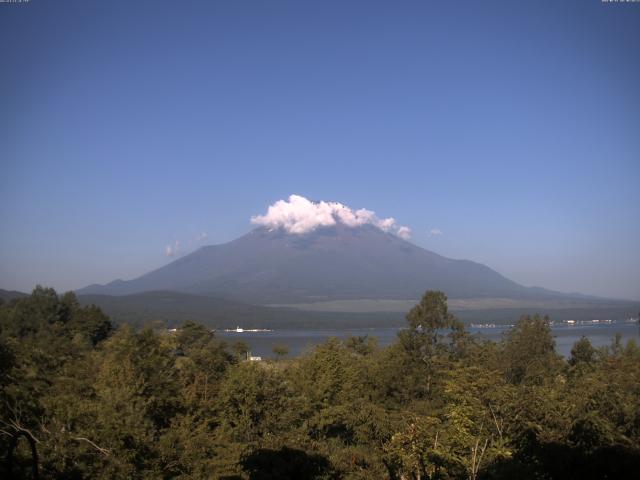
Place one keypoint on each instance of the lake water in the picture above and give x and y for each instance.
(261, 343)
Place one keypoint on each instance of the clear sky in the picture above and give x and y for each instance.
(513, 128)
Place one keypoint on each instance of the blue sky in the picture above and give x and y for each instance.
(512, 127)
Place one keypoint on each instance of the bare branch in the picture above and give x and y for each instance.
(484, 447)
(103, 451)
(500, 424)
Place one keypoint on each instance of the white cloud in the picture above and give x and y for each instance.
(404, 232)
(298, 215)
(173, 249)
(387, 224)
(434, 232)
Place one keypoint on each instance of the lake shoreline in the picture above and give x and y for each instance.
(300, 339)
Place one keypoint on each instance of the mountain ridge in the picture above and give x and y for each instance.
(171, 309)
(268, 266)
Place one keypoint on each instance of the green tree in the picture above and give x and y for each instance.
(362, 345)
(241, 349)
(254, 403)
(280, 350)
(423, 342)
(582, 352)
(529, 351)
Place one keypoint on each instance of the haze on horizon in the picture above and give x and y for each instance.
(504, 133)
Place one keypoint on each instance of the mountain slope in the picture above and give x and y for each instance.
(334, 263)
(8, 295)
(173, 308)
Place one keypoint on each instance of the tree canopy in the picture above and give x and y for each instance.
(80, 398)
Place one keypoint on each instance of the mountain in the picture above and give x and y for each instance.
(173, 308)
(271, 266)
(8, 295)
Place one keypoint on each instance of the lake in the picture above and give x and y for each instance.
(261, 343)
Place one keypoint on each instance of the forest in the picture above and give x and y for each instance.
(81, 397)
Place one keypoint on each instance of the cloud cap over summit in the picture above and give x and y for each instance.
(299, 215)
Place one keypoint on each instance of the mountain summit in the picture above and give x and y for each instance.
(336, 262)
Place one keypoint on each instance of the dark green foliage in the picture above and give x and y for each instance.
(582, 352)
(80, 399)
(530, 351)
(432, 336)
(362, 345)
(280, 350)
(241, 349)
(286, 464)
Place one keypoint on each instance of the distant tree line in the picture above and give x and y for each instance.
(82, 399)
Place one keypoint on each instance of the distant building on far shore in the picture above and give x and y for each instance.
(251, 358)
